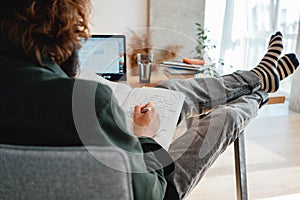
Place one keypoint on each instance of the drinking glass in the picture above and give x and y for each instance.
(145, 61)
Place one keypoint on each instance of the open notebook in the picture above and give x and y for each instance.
(167, 102)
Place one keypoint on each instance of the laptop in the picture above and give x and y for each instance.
(105, 55)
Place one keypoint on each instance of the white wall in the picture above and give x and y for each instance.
(173, 23)
(116, 16)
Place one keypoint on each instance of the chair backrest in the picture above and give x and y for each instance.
(64, 173)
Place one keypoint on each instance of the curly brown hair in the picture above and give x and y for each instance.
(50, 26)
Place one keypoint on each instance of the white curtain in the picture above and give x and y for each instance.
(246, 27)
(294, 103)
(298, 41)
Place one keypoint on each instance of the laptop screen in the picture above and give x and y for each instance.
(105, 55)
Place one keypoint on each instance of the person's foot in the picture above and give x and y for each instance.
(266, 69)
(275, 43)
(287, 64)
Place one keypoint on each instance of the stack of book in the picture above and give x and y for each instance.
(177, 67)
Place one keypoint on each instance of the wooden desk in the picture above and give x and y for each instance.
(155, 80)
(156, 77)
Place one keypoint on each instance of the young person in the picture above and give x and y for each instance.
(38, 61)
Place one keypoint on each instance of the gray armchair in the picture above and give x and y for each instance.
(64, 173)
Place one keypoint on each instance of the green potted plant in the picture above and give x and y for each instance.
(202, 46)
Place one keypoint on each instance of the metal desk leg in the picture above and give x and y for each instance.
(240, 168)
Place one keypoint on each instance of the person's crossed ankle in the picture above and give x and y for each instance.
(272, 68)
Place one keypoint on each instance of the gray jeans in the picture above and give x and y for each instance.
(233, 101)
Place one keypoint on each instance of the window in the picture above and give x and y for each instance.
(241, 30)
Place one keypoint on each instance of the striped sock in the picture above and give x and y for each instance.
(276, 40)
(266, 69)
(287, 65)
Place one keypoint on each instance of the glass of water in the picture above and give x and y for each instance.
(145, 61)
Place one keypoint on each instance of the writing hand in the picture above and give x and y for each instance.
(146, 120)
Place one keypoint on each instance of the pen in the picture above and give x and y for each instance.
(146, 109)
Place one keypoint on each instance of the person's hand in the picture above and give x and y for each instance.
(146, 123)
